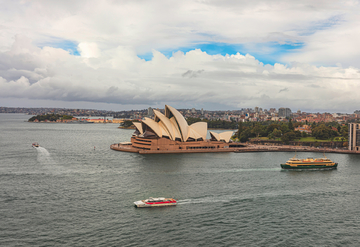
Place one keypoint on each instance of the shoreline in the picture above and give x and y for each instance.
(247, 149)
(288, 148)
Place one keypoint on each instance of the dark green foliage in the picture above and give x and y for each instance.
(324, 132)
(290, 125)
(214, 124)
(275, 129)
(49, 117)
(287, 137)
(344, 131)
(192, 120)
(270, 128)
(246, 134)
(127, 123)
(276, 133)
(257, 129)
(67, 117)
(240, 130)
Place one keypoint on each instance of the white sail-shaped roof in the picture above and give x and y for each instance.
(138, 126)
(224, 136)
(166, 122)
(215, 135)
(193, 134)
(201, 128)
(163, 129)
(175, 127)
(153, 125)
(183, 126)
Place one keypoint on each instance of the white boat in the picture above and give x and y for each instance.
(155, 202)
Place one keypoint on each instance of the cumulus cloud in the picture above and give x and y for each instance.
(119, 76)
(89, 49)
(109, 36)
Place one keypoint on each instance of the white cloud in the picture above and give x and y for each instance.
(88, 50)
(110, 34)
(120, 77)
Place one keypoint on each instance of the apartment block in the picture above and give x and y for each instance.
(354, 136)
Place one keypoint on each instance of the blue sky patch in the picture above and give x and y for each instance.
(66, 45)
(267, 53)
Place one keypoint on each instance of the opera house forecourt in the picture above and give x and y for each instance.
(170, 133)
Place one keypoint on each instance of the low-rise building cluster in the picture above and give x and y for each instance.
(242, 115)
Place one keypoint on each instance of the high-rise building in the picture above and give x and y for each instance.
(354, 136)
(284, 112)
(150, 112)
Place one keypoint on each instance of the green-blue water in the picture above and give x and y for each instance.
(68, 194)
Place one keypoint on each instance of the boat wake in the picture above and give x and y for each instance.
(44, 156)
(204, 200)
(236, 198)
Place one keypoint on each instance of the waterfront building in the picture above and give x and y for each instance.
(354, 136)
(170, 133)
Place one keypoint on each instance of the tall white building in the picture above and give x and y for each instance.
(354, 136)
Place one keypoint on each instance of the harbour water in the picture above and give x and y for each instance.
(75, 191)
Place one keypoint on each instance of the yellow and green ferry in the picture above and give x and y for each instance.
(309, 163)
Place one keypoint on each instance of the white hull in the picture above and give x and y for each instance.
(155, 202)
(140, 204)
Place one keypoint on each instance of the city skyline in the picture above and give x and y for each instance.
(190, 54)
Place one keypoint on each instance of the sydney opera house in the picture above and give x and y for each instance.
(170, 133)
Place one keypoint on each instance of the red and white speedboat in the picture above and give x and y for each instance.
(35, 145)
(155, 202)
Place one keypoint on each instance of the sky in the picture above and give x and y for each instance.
(215, 55)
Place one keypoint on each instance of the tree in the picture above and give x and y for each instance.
(239, 130)
(271, 136)
(50, 117)
(322, 132)
(304, 134)
(297, 133)
(257, 130)
(290, 125)
(276, 133)
(271, 128)
(284, 128)
(289, 136)
(127, 123)
(245, 135)
(344, 132)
